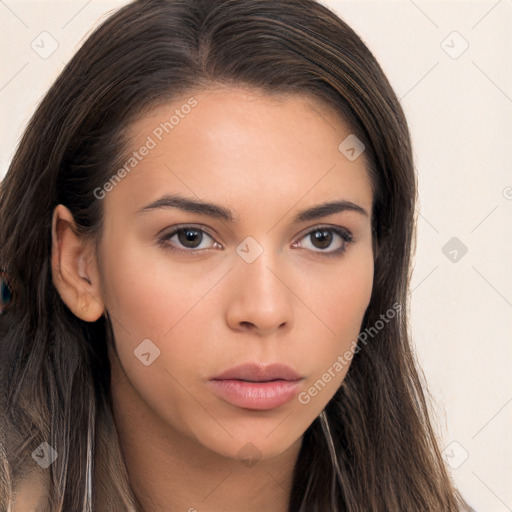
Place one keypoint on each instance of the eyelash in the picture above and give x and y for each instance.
(344, 234)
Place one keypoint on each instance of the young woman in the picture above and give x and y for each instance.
(206, 232)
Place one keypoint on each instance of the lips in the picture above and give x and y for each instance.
(257, 372)
(256, 386)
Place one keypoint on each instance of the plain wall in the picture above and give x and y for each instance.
(458, 102)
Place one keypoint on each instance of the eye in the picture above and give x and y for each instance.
(325, 237)
(189, 237)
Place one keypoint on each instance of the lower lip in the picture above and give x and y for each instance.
(255, 395)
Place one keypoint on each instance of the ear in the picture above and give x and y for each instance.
(74, 267)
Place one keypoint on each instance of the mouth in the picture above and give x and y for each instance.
(248, 380)
(259, 372)
(256, 386)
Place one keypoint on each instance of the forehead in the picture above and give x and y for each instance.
(243, 147)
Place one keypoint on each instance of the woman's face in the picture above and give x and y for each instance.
(249, 280)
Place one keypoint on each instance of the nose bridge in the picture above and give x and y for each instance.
(256, 265)
(260, 297)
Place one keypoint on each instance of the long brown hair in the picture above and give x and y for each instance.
(374, 447)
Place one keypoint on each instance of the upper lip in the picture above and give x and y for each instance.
(259, 372)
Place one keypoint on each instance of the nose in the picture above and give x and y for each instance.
(261, 301)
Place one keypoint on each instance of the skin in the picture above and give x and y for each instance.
(266, 158)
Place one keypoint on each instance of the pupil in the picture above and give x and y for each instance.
(187, 236)
(324, 238)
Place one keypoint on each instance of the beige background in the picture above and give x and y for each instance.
(459, 106)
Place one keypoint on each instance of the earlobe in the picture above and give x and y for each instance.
(74, 268)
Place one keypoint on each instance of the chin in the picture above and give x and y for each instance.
(250, 447)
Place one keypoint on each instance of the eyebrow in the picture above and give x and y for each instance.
(220, 212)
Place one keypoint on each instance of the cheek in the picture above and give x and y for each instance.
(158, 312)
(147, 293)
(339, 302)
(339, 296)
(174, 306)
